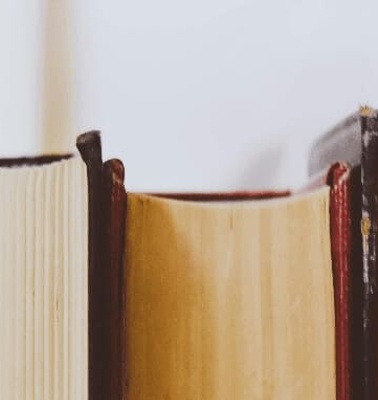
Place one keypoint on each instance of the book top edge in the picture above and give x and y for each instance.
(42, 160)
(229, 201)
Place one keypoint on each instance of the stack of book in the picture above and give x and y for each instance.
(108, 294)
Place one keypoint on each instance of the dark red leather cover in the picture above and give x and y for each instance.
(338, 178)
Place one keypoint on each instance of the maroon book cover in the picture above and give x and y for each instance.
(339, 181)
(338, 178)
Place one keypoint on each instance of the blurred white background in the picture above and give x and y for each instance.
(191, 95)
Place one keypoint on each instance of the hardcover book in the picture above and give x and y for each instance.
(355, 140)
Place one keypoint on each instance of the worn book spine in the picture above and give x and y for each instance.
(339, 180)
(369, 181)
(356, 288)
(340, 144)
(115, 206)
(105, 269)
(89, 146)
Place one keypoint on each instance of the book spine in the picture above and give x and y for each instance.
(339, 180)
(89, 146)
(356, 287)
(107, 209)
(369, 182)
(115, 209)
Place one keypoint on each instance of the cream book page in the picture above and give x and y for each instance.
(229, 300)
(44, 283)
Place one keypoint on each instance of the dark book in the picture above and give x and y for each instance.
(355, 141)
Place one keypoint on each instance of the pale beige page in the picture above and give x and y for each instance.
(229, 301)
(43, 285)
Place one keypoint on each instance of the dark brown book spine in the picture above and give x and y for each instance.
(89, 145)
(115, 206)
(356, 288)
(341, 144)
(369, 181)
(106, 207)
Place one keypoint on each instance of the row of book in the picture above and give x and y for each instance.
(110, 294)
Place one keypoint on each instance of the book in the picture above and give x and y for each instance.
(120, 295)
(135, 381)
(212, 312)
(355, 140)
(344, 197)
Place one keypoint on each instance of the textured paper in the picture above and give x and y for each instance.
(43, 282)
(229, 300)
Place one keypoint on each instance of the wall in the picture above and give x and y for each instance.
(200, 94)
